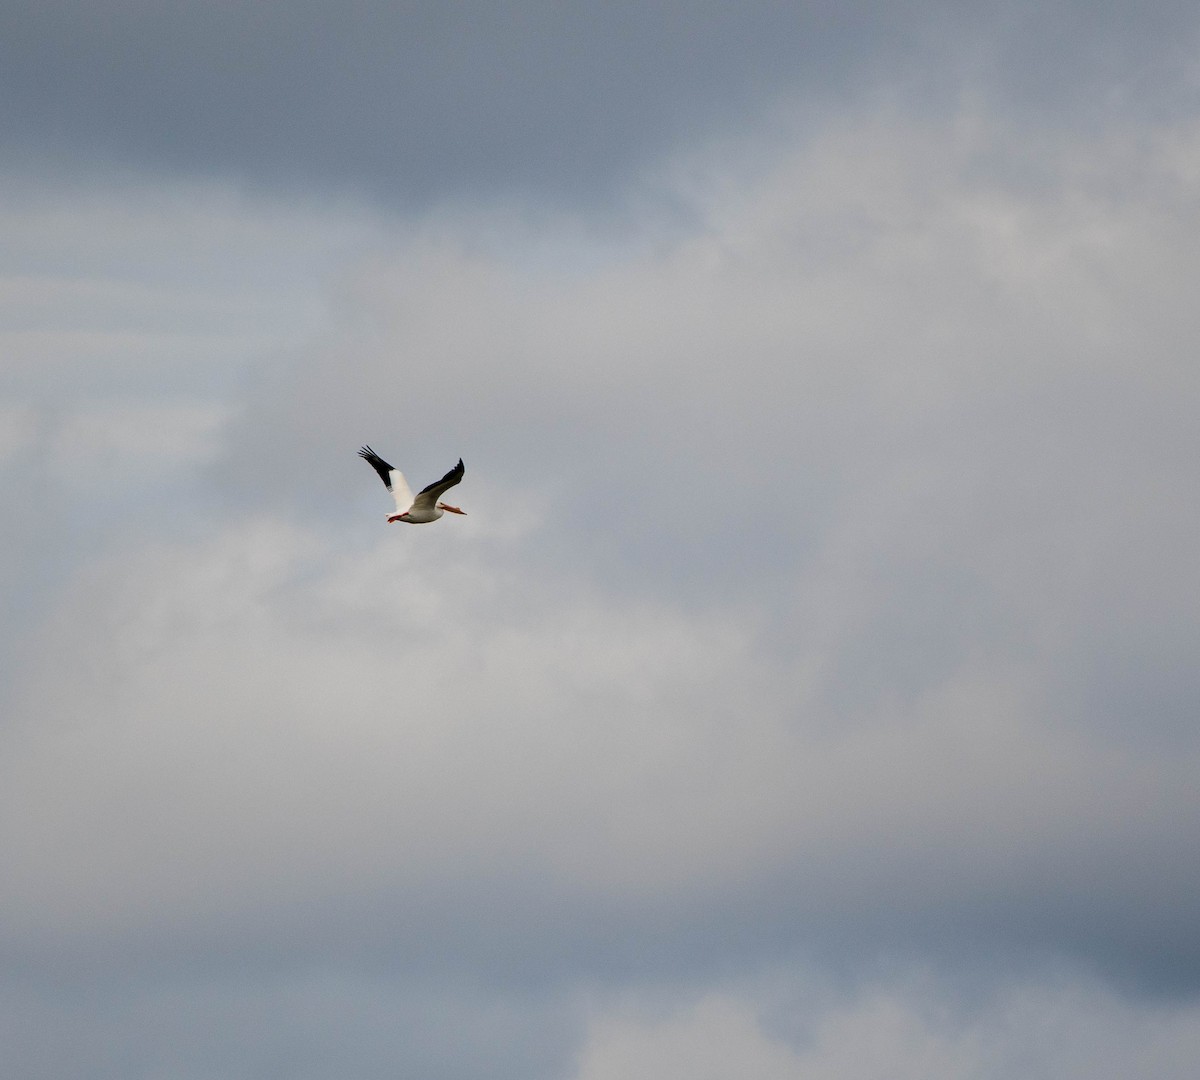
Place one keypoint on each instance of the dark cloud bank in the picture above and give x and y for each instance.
(416, 103)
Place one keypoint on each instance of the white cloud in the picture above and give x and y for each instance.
(891, 295)
(218, 727)
(894, 1033)
(288, 711)
(920, 690)
(717, 1038)
(869, 338)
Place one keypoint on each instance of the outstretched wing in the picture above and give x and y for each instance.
(393, 479)
(427, 497)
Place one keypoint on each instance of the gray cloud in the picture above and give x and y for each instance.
(873, 736)
(417, 103)
(950, 452)
(409, 102)
(307, 1023)
(823, 616)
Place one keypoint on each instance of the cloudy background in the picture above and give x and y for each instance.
(811, 691)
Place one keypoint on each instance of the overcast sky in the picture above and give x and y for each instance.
(811, 690)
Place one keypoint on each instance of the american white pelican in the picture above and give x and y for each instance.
(424, 507)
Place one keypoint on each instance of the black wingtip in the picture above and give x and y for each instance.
(378, 464)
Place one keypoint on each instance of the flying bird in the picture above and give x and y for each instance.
(425, 507)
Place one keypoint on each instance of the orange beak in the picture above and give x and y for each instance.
(454, 510)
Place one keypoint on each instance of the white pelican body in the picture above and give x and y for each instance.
(425, 507)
